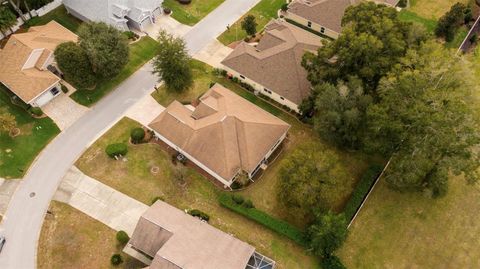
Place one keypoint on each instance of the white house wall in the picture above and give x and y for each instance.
(261, 89)
(315, 26)
(45, 97)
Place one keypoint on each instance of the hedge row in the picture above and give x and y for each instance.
(361, 190)
(266, 220)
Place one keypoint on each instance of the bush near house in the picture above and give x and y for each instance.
(122, 237)
(264, 219)
(200, 214)
(116, 149)
(137, 135)
(116, 259)
(36, 111)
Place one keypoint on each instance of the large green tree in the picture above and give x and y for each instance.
(327, 234)
(452, 20)
(426, 121)
(341, 112)
(373, 39)
(172, 63)
(249, 24)
(7, 19)
(105, 46)
(311, 177)
(73, 62)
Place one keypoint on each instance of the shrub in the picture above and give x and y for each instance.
(235, 185)
(116, 259)
(157, 198)
(238, 199)
(166, 10)
(116, 149)
(137, 135)
(64, 88)
(122, 237)
(332, 262)
(473, 39)
(276, 225)
(199, 214)
(402, 3)
(248, 204)
(211, 84)
(284, 7)
(235, 79)
(184, 2)
(361, 190)
(36, 111)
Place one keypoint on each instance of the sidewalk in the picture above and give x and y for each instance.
(99, 201)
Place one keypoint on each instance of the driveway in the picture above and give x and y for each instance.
(99, 201)
(64, 111)
(213, 54)
(167, 23)
(145, 110)
(24, 217)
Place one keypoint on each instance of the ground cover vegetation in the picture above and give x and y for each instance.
(193, 12)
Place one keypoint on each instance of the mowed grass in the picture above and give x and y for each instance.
(409, 16)
(60, 15)
(134, 178)
(408, 230)
(140, 53)
(433, 9)
(264, 11)
(71, 239)
(192, 13)
(17, 153)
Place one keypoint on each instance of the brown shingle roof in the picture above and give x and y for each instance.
(225, 132)
(29, 83)
(275, 62)
(193, 244)
(327, 13)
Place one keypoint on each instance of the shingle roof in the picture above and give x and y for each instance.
(29, 83)
(177, 238)
(225, 132)
(275, 62)
(327, 13)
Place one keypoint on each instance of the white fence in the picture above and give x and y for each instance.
(39, 12)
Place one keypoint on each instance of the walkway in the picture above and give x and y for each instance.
(99, 201)
(24, 217)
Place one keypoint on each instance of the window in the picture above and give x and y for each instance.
(282, 98)
(309, 24)
(322, 30)
(54, 91)
(242, 77)
(266, 90)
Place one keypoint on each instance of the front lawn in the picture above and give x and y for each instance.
(17, 153)
(140, 53)
(60, 15)
(433, 9)
(409, 16)
(264, 11)
(192, 13)
(71, 239)
(135, 178)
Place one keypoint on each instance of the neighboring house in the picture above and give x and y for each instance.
(166, 237)
(273, 66)
(122, 14)
(27, 63)
(324, 16)
(225, 135)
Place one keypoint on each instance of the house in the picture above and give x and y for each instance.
(225, 135)
(27, 63)
(166, 237)
(324, 16)
(273, 66)
(125, 15)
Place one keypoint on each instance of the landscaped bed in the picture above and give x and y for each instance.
(17, 153)
(192, 13)
(140, 53)
(264, 11)
(71, 239)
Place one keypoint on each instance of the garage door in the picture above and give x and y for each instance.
(145, 23)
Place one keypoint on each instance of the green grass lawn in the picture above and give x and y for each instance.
(17, 153)
(407, 15)
(264, 11)
(433, 9)
(192, 13)
(140, 53)
(60, 15)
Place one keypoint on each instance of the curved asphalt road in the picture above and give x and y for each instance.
(24, 217)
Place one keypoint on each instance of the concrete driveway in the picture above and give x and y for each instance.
(167, 23)
(99, 201)
(64, 111)
(145, 110)
(213, 53)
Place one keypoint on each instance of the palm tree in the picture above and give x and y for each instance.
(7, 19)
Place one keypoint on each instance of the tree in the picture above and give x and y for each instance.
(373, 39)
(341, 112)
(327, 234)
(311, 177)
(105, 46)
(7, 19)
(249, 25)
(172, 63)
(426, 121)
(7, 121)
(73, 62)
(16, 7)
(451, 20)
